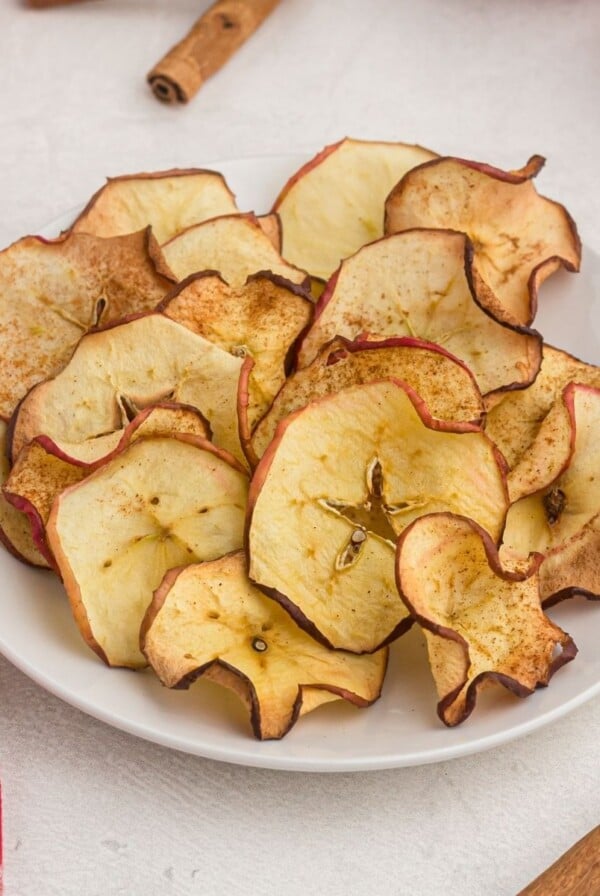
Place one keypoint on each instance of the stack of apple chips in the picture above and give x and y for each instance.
(259, 449)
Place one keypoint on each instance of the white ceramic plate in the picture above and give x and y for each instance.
(38, 635)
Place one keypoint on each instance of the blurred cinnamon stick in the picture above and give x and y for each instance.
(576, 873)
(212, 40)
(43, 4)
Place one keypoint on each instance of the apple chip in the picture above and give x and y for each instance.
(414, 284)
(234, 245)
(271, 225)
(339, 482)
(519, 237)
(15, 531)
(168, 201)
(556, 488)
(160, 503)
(334, 204)
(514, 421)
(573, 568)
(261, 319)
(208, 620)
(118, 371)
(444, 383)
(483, 623)
(43, 470)
(51, 292)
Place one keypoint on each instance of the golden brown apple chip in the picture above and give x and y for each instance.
(118, 371)
(445, 384)
(261, 319)
(573, 568)
(483, 623)
(235, 246)
(556, 494)
(53, 292)
(519, 237)
(414, 284)
(338, 483)
(15, 530)
(334, 204)
(514, 421)
(208, 620)
(271, 225)
(162, 502)
(168, 201)
(43, 470)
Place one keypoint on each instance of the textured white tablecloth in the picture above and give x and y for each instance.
(90, 810)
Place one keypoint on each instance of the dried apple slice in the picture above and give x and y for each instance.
(334, 203)
(15, 531)
(208, 620)
(341, 479)
(119, 370)
(52, 292)
(160, 503)
(43, 469)
(514, 421)
(483, 622)
(271, 225)
(234, 245)
(261, 319)
(556, 487)
(168, 201)
(414, 284)
(520, 237)
(444, 383)
(573, 569)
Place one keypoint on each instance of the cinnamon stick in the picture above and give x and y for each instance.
(224, 27)
(43, 4)
(576, 873)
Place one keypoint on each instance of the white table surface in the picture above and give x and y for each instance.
(90, 810)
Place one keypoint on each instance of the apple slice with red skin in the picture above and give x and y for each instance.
(573, 568)
(446, 385)
(519, 237)
(51, 292)
(514, 421)
(334, 203)
(483, 622)
(234, 245)
(338, 483)
(168, 201)
(162, 502)
(261, 319)
(134, 364)
(15, 530)
(208, 620)
(43, 470)
(414, 284)
(555, 493)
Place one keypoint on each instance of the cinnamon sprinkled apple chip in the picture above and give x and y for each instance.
(483, 622)
(260, 319)
(444, 383)
(414, 284)
(208, 620)
(52, 292)
(513, 422)
(556, 493)
(519, 237)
